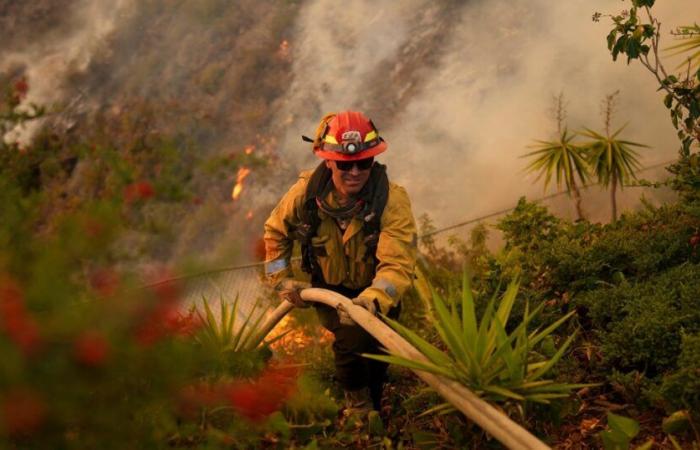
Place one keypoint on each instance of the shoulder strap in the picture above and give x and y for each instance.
(378, 195)
(310, 220)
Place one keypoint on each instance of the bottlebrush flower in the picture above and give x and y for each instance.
(155, 324)
(15, 321)
(91, 349)
(23, 411)
(256, 400)
(183, 324)
(140, 190)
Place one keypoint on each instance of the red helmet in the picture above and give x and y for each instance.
(347, 136)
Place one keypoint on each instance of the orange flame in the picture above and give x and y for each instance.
(249, 149)
(249, 216)
(283, 52)
(296, 340)
(243, 172)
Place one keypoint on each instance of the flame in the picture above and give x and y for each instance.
(297, 339)
(243, 172)
(249, 149)
(249, 215)
(283, 52)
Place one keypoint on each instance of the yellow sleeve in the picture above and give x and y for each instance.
(396, 251)
(278, 243)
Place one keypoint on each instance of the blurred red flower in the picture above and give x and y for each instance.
(163, 314)
(21, 88)
(15, 321)
(23, 411)
(140, 190)
(257, 399)
(104, 281)
(91, 349)
(184, 324)
(194, 397)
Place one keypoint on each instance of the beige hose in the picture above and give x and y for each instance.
(482, 413)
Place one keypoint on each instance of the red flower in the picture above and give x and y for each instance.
(15, 321)
(193, 397)
(183, 324)
(91, 349)
(156, 322)
(21, 88)
(138, 191)
(694, 240)
(23, 411)
(257, 400)
(105, 282)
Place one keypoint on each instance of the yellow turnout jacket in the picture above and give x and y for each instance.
(345, 261)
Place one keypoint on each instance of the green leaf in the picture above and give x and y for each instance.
(498, 390)
(442, 408)
(411, 364)
(430, 351)
(629, 427)
(449, 330)
(544, 369)
(469, 329)
(614, 440)
(676, 422)
(668, 100)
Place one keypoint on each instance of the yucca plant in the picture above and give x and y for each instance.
(481, 355)
(234, 342)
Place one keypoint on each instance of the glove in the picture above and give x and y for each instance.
(367, 303)
(289, 289)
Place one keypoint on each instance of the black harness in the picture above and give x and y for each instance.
(369, 206)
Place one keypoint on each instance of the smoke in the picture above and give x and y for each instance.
(47, 52)
(480, 95)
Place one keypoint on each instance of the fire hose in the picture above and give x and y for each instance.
(474, 408)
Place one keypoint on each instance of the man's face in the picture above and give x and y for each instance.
(349, 182)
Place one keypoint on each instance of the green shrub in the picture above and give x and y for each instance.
(681, 388)
(640, 324)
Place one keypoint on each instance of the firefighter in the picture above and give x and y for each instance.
(358, 238)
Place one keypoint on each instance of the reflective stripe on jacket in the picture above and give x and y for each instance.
(344, 261)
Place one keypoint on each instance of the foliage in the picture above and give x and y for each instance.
(639, 38)
(681, 388)
(562, 159)
(529, 226)
(498, 365)
(640, 324)
(621, 430)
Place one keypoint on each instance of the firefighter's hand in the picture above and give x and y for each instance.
(289, 289)
(368, 303)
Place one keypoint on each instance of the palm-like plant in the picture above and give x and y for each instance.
(561, 159)
(483, 356)
(691, 43)
(612, 160)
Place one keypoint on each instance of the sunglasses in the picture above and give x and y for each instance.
(362, 164)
